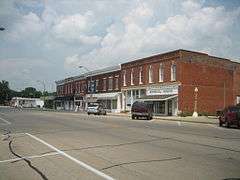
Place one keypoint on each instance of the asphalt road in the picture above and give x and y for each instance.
(66, 146)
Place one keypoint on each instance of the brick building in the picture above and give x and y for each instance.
(168, 82)
(171, 83)
(104, 86)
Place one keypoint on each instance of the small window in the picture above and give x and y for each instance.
(140, 76)
(124, 78)
(150, 74)
(110, 83)
(173, 72)
(96, 85)
(116, 83)
(104, 84)
(132, 77)
(161, 73)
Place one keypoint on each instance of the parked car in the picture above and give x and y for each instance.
(96, 109)
(230, 116)
(141, 109)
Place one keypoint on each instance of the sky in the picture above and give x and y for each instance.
(47, 40)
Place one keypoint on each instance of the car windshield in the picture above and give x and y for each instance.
(93, 105)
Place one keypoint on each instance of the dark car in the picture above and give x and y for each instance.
(96, 109)
(230, 116)
(141, 110)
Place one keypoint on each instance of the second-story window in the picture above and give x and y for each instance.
(132, 83)
(89, 86)
(161, 73)
(150, 74)
(173, 72)
(124, 78)
(110, 83)
(140, 76)
(104, 84)
(116, 82)
(96, 85)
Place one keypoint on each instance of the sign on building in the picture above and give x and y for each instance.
(162, 90)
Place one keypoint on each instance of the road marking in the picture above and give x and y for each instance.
(4, 120)
(82, 164)
(3, 114)
(29, 157)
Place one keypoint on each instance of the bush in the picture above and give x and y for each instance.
(186, 113)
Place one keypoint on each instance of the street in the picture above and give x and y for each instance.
(61, 145)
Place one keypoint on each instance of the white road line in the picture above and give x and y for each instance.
(29, 157)
(4, 120)
(3, 113)
(84, 165)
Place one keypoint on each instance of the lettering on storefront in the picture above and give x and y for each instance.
(162, 90)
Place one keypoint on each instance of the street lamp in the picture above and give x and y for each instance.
(195, 114)
(44, 89)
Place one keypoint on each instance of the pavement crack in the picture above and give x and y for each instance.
(27, 161)
(144, 161)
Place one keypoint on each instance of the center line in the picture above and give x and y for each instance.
(84, 165)
(7, 122)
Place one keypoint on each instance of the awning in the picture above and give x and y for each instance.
(103, 95)
(158, 97)
(64, 98)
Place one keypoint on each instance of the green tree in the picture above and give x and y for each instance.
(5, 92)
(31, 92)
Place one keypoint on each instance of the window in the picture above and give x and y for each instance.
(173, 72)
(110, 83)
(116, 82)
(161, 73)
(89, 86)
(104, 84)
(140, 76)
(150, 74)
(132, 77)
(96, 87)
(124, 78)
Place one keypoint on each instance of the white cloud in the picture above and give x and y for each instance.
(201, 28)
(28, 27)
(76, 28)
(71, 61)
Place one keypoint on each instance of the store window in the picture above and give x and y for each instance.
(150, 74)
(161, 73)
(173, 72)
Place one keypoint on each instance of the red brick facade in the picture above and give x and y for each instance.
(217, 79)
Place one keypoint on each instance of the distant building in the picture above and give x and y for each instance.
(27, 102)
(171, 83)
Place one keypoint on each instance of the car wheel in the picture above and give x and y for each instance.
(220, 123)
(133, 117)
(238, 124)
(88, 113)
(227, 124)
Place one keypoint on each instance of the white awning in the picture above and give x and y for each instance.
(103, 95)
(158, 98)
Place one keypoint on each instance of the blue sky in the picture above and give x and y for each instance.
(48, 40)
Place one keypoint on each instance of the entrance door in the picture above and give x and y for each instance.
(169, 107)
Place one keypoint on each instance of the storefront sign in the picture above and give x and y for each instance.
(162, 90)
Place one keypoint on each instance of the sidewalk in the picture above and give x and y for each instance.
(200, 119)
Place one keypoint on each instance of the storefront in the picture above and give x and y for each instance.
(111, 101)
(163, 99)
(64, 103)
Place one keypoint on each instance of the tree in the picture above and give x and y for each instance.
(31, 92)
(5, 92)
